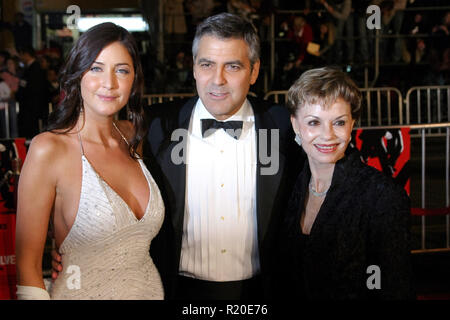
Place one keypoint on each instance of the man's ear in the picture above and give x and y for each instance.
(193, 68)
(255, 72)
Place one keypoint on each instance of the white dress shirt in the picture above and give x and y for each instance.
(219, 241)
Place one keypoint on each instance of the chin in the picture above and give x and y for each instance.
(107, 112)
(328, 159)
(216, 111)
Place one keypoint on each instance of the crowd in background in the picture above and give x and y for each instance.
(315, 33)
(12, 70)
(27, 76)
(308, 34)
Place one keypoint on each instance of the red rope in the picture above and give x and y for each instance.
(430, 212)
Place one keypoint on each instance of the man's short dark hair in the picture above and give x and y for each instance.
(229, 26)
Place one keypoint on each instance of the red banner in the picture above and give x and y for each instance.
(12, 155)
(7, 256)
(387, 150)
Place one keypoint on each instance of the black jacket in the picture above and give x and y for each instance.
(33, 96)
(364, 221)
(171, 178)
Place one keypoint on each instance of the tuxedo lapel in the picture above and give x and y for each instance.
(267, 185)
(175, 173)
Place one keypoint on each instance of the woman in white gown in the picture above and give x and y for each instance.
(85, 176)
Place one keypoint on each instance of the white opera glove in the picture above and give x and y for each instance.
(31, 293)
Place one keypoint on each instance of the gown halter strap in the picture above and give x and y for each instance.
(123, 137)
(115, 126)
(81, 143)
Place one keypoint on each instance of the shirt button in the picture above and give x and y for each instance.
(223, 250)
(222, 218)
(221, 151)
(221, 185)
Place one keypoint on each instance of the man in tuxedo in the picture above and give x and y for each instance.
(32, 94)
(221, 161)
(225, 165)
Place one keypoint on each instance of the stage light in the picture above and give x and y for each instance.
(132, 24)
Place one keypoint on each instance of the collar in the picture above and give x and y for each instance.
(351, 159)
(245, 114)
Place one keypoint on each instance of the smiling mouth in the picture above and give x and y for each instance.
(218, 94)
(107, 98)
(326, 148)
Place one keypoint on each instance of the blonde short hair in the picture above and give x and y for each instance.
(324, 86)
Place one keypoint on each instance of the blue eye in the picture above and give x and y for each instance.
(95, 69)
(124, 71)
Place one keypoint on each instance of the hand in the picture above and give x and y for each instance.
(56, 264)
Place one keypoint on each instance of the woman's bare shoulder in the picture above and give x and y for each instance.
(49, 146)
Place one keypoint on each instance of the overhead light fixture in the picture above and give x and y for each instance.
(132, 24)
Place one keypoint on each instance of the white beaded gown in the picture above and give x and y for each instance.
(106, 253)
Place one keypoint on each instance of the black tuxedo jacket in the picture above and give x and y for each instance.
(33, 97)
(272, 190)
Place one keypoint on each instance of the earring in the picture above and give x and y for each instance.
(298, 139)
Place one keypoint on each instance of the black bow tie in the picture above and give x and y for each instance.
(233, 128)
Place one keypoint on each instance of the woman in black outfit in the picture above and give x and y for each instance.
(346, 232)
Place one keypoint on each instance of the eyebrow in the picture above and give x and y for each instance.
(117, 64)
(200, 60)
(341, 116)
(238, 62)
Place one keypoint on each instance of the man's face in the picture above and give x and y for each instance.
(223, 74)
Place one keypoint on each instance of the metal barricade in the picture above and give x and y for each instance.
(379, 106)
(8, 118)
(429, 185)
(427, 182)
(164, 97)
(279, 96)
(4, 105)
(428, 104)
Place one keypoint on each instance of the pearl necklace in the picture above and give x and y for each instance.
(315, 193)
